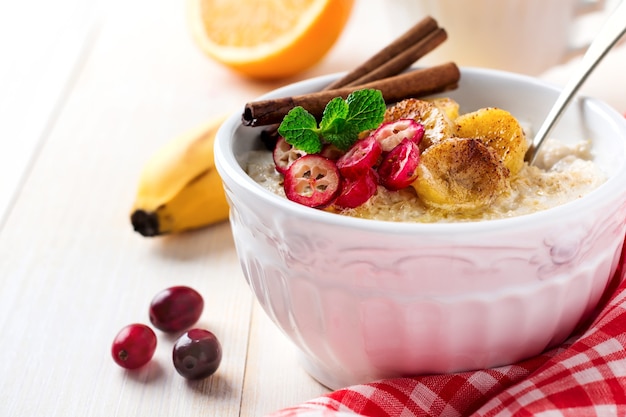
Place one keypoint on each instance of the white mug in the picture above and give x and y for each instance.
(524, 36)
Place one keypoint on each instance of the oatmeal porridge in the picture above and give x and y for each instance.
(504, 186)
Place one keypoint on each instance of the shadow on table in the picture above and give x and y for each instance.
(217, 385)
(211, 241)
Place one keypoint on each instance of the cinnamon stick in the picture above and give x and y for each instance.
(396, 57)
(416, 83)
(404, 59)
(412, 36)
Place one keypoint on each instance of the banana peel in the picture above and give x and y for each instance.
(179, 187)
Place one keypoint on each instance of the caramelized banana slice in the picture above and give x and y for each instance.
(460, 174)
(499, 130)
(437, 125)
(447, 105)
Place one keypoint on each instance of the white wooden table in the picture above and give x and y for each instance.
(87, 91)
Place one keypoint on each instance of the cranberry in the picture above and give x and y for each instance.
(312, 180)
(355, 192)
(330, 151)
(399, 168)
(197, 354)
(362, 156)
(284, 154)
(392, 133)
(176, 308)
(134, 346)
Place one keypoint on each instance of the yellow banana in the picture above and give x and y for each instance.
(179, 187)
(447, 105)
(460, 174)
(499, 130)
(432, 115)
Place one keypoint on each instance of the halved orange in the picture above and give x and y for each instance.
(268, 39)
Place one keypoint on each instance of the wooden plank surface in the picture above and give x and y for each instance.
(39, 55)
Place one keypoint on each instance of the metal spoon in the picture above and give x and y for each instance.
(609, 34)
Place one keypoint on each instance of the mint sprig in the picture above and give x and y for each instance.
(341, 123)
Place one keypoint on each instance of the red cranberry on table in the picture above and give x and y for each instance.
(197, 354)
(176, 308)
(134, 346)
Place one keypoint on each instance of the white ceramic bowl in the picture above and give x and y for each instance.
(365, 299)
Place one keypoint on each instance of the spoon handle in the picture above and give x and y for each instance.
(608, 36)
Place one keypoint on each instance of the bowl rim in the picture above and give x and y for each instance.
(233, 175)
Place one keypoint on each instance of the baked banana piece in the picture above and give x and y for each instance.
(460, 174)
(497, 129)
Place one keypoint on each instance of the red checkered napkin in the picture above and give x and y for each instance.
(586, 376)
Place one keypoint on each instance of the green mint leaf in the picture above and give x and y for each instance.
(344, 138)
(299, 128)
(336, 126)
(366, 109)
(341, 124)
(343, 120)
(306, 140)
(334, 115)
